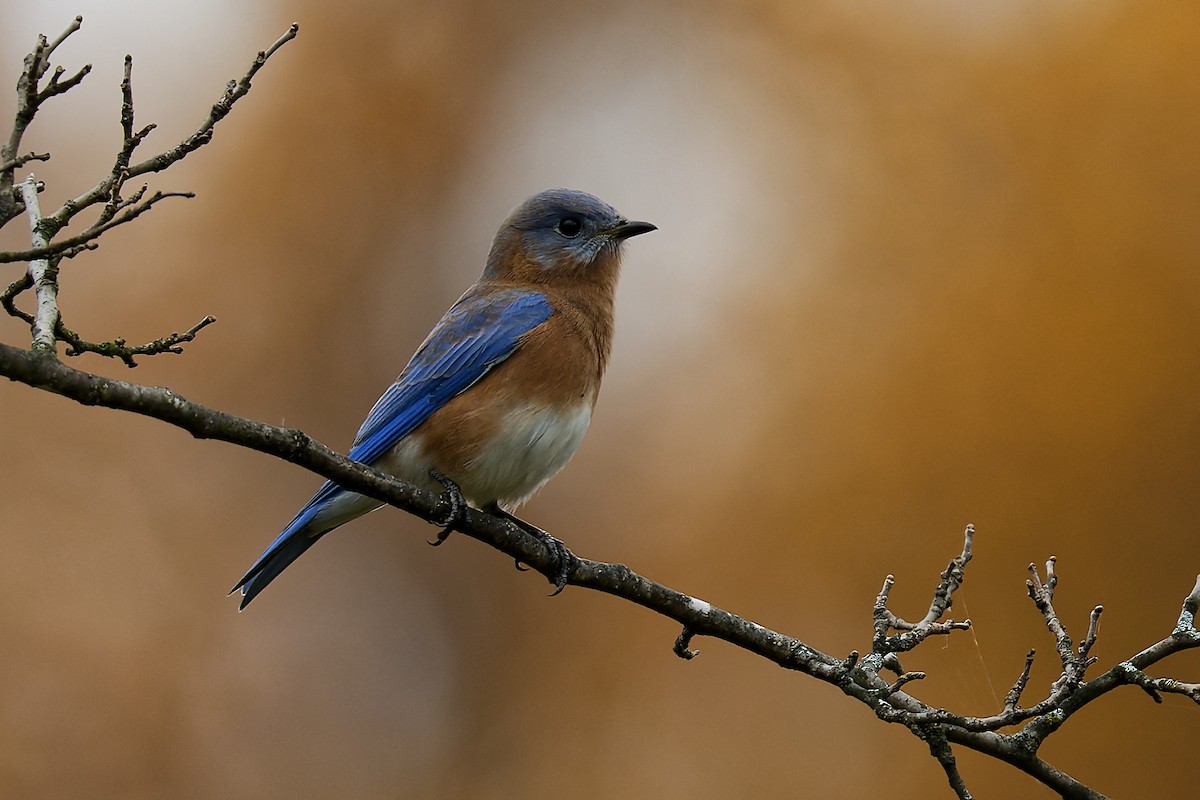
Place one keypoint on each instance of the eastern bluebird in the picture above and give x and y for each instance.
(498, 396)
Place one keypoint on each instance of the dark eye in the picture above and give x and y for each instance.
(569, 227)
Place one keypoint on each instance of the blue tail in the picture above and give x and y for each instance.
(300, 534)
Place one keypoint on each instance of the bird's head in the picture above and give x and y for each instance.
(561, 235)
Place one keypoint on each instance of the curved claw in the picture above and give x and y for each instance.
(458, 507)
(566, 562)
(520, 567)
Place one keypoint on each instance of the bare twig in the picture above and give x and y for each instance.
(939, 748)
(1186, 627)
(29, 100)
(1042, 595)
(943, 598)
(898, 684)
(234, 91)
(117, 348)
(1154, 686)
(21, 161)
(1013, 698)
(108, 190)
(682, 641)
(47, 252)
(49, 49)
(46, 323)
(93, 233)
(43, 273)
(130, 140)
(1089, 640)
(7, 300)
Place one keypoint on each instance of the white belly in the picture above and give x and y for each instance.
(532, 444)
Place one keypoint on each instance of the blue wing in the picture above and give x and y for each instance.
(475, 335)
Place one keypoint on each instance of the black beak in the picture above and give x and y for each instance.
(625, 229)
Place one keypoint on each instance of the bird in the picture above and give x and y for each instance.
(498, 397)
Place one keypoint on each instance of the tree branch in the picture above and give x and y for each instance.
(234, 91)
(20, 161)
(133, 210)
(860, 677)
(857, 677)
(43, 272)
(117, 348)
(46, 253)
(29, 99)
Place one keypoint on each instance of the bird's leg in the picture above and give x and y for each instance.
(565, 561)
(458, 506)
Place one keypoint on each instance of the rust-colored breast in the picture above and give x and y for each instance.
(557, 367)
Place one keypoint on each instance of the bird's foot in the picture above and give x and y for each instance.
(458, 507)
(564, 561)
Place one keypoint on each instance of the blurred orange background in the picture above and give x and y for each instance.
(919, 265)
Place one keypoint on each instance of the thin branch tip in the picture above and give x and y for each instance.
(75, 25)
(682, 642)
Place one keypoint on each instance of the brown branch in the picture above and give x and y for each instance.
(29, 97)
(130, 140)
(1042, 595)
(234, 91)
(943, 598)
(46, 253)
(682, 641)
(107, 190)
(1155, 686)
(856, 677)
(29, 100)
(20, 161)
(940, 749)
(8, 298)
(1013, 698)
(117, 348)
(133, 210)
